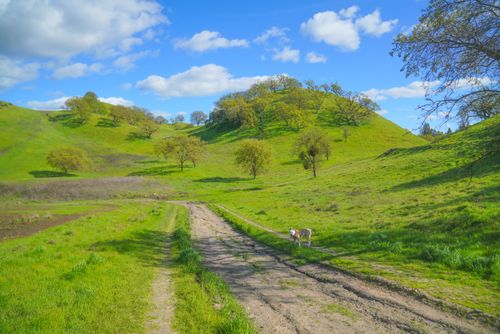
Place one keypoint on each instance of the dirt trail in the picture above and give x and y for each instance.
(283, 298)
(161, 315)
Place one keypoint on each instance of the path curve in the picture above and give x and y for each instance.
(283, 298)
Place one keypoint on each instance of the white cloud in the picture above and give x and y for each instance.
(273, 32)
(126, 86)
(287, 54)
(59, 103)
(314, 58)
(76, 70)
(62, 29)
(117, 101)
(349, 12)
(197, 81)
(55, 104)
(13, 72)
(127, 62)
(208, 40)
(382, 111)
(415, 89)
(471, 82)
(342, 30)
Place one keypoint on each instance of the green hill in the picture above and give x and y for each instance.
(390, 203)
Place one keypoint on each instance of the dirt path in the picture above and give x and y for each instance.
(161, 315)
(283, 298)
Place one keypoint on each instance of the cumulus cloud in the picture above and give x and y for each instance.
(372, 24)
(62, 29)
(13, 72)
(76, 70)
(197, 81)
(55, 104)
(415, 89)
(117, 101)
(208, 40)
(127, 62)
(273, 32)
(343, 29)
(59, 103)
(287, 54)
(314, 58)
(418, 89)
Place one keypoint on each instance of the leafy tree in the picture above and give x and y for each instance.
(80, 108)
(259, 106)
(148, 128)
(160, 120)
(93, 103)
(346, 134)
(198, 117)
(68, 159)
(254, 156)
(351, 107)
(292, 115)
(182, 147)
(456, 47)
(310, 146)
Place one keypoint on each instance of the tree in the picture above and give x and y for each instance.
(79, 107)
(346, 134)
(160, 120)
(455, 48)
(182, 147)
(179, 118)
(198, 117)
(310, 146)
(292, 115)
(68, 159)
(351, 107)
(148, 128)
(254, 156)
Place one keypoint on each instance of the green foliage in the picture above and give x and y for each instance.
(148, 127)
(84, 106)
(254, 156)
(310, 146)
(68, 159)
(182, 148)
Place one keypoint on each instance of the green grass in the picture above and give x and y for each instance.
(92, 275)
(389, 203)
(204, 303)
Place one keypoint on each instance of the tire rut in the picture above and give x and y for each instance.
(282, 297)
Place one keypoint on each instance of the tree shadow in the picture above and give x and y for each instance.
(73, 122)
(147, 245)
(49, 173)
(60, 117)
(153, 171)
(145, 162)
(136, 136)
(106, 123)
(218, 179)
(291, 162)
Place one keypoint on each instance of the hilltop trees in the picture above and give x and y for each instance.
(68, 159)
(84, 106)
(351, 107)
(198, 117)
(310, 146)
(182, 148)
(456, 46)
(254, 156)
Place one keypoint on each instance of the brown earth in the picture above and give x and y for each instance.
(284, 298)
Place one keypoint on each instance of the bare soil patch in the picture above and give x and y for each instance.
(284, 298)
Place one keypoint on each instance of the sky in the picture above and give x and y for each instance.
(175, 57)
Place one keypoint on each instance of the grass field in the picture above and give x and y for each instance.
(391, 204)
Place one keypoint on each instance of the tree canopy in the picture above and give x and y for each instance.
(182, 148)
(254, 156)
(68, 159)
(310, 146)
(455, 47)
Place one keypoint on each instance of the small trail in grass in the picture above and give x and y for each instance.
(161, 315)
(283, 298)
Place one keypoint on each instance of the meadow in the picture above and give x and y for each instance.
(389, 203)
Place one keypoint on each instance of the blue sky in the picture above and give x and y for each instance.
(179, 56)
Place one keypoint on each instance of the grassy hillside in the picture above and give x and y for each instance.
(390, 203)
